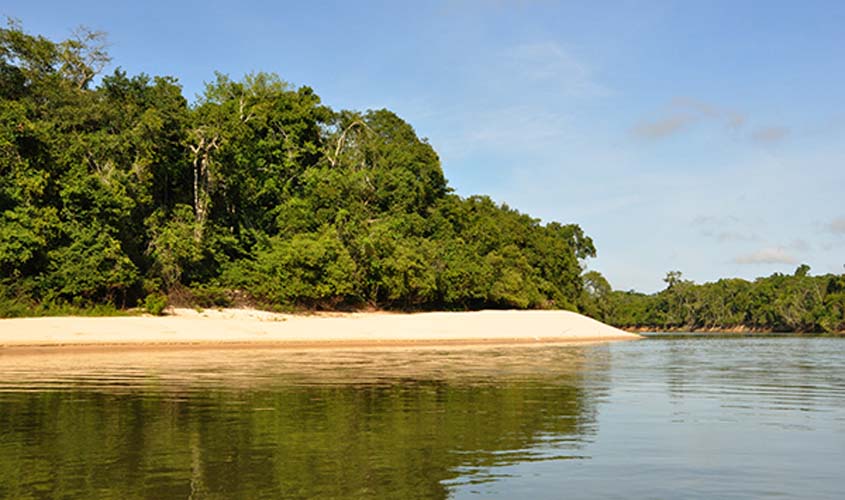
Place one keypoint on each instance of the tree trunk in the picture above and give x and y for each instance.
(202, 153)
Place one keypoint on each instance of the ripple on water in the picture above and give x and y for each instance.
(710, 417)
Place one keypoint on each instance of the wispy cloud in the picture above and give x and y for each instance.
(548, 65)
(728, 236)
(770, 135)
(663, 127)
(706, 220)
(733, 229)
(683, 113)
(725, 229)
(767, 256)
(728, 117)
(517, 127)
(516, 100)
(837, 226)
(800, 245)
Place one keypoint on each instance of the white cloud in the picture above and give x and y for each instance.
(767, 256)
(837, 226)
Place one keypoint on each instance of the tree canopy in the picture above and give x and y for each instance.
(780, 302)
(113, 188)
(123, 193)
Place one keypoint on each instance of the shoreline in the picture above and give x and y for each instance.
(248, 328)
(300, 345)
(726, 331)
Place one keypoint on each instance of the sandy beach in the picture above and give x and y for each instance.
(246, 327)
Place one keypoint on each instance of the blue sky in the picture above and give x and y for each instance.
(707, 137)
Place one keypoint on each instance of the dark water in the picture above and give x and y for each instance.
(726, 418)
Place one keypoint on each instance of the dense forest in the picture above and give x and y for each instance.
(780, 303)
(124, 193)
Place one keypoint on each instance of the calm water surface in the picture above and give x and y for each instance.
(663, 418)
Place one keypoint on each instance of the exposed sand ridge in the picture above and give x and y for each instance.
(253, 327)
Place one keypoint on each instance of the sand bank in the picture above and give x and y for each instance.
(245, 327)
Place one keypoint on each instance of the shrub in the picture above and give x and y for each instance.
(209, 296)
(155, 304)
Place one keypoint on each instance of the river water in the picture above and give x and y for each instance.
(662, 418)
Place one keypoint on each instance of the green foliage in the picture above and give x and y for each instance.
(174, 244)
(796, 303)
(16, 306)
(313, 268)
(11, 307)
(208, 296)
(124, 191)
(596, 296)
(112, 193)
(155, 304)
(91, 265)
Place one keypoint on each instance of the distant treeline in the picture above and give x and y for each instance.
(124, 193)
(780, 303)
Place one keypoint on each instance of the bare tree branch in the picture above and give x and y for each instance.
(342, 139)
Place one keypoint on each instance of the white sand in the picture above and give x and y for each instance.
(225, 327)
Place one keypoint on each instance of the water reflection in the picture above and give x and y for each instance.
(775, 373)
(698, 418)
(393, 423)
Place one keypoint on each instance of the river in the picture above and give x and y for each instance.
(662, 418)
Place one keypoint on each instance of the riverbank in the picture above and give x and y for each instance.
(675, 329)
(249, 327)
(735, 330)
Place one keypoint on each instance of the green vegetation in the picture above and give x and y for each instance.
(12, 307)
(781, 303)
(259, 194)
(255, 193)
(404, 439)
(155, 303)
